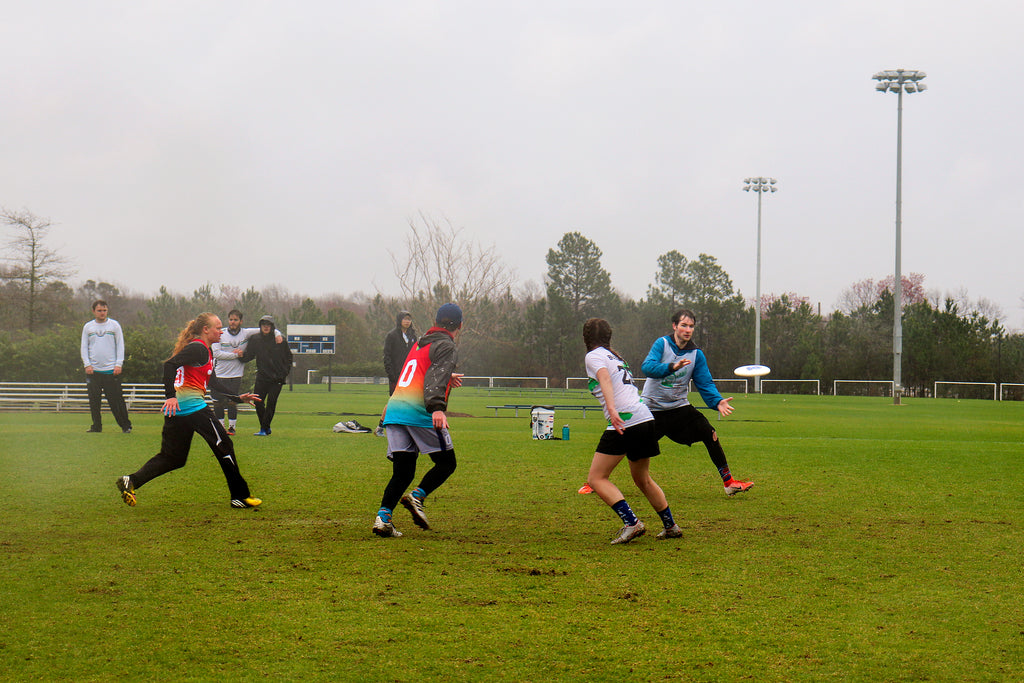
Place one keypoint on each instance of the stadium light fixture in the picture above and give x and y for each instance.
(760, 185)
(899, 81)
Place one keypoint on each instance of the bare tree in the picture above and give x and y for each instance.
(989, 309)
(441, 267)
(33, 265)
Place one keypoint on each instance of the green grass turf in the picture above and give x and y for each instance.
(879, 543)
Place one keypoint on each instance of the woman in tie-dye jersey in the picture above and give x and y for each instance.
(186, 375)
(415, 421)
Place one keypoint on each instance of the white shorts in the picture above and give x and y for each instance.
(404, 439)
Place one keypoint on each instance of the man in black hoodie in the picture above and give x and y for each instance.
(273, 363)
(397, 344)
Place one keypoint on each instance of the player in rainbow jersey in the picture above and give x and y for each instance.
(415, 421)
(186, 375)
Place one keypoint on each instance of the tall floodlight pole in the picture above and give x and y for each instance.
(899, 81)
(759, 185)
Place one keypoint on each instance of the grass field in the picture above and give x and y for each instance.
(879, 543)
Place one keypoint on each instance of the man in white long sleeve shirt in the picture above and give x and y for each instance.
(103, 356)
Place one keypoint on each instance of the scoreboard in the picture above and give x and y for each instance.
(316, 339)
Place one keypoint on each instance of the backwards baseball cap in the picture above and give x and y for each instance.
(448, 313)
(267, 319)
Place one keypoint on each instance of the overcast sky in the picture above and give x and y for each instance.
(290, 143)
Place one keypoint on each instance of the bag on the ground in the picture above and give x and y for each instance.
(542, 422)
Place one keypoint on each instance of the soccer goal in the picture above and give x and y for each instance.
(862, 387)
(1009, 391)
(791, 386)
(983, 390)
(730, 384)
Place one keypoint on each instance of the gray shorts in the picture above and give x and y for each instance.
(402, 438)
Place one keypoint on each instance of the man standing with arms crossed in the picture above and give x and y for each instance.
(397, 344)
(103, 356)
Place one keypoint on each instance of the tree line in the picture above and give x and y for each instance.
(512, 329)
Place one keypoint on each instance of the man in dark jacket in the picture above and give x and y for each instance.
(397, 344)
(273, 363)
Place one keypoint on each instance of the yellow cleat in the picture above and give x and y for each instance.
(124, 485)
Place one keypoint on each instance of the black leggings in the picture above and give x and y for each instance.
(403, 471)
(176, 441)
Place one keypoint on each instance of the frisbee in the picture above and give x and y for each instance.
(752, 370)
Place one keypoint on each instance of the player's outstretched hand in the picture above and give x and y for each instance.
(456, 380)
(724, 408)
(250, 398)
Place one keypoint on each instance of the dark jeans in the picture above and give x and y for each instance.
(99, 383)
(267, 405)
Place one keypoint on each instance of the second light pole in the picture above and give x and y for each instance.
(760, 186)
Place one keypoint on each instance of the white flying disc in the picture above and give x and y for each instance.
(752, 370)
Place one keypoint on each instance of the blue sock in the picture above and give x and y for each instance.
(726, 474)
(623, 510)
(418, 493)
(666, 518)
(385, 515)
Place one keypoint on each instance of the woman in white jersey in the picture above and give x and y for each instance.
(630, 433)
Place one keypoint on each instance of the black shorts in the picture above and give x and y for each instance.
(232, 384)
(636, 443)
(685, 425)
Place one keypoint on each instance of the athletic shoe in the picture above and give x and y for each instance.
(246, 503)
(379, 431)
(124, 485)
(415, 506)
(385, 529)
(127, 430)
(261, 433)
(732, 487)
(672, 532)
(628, 533)
(231, 431)
(585, 489)
(93, 430)
(351, 427)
